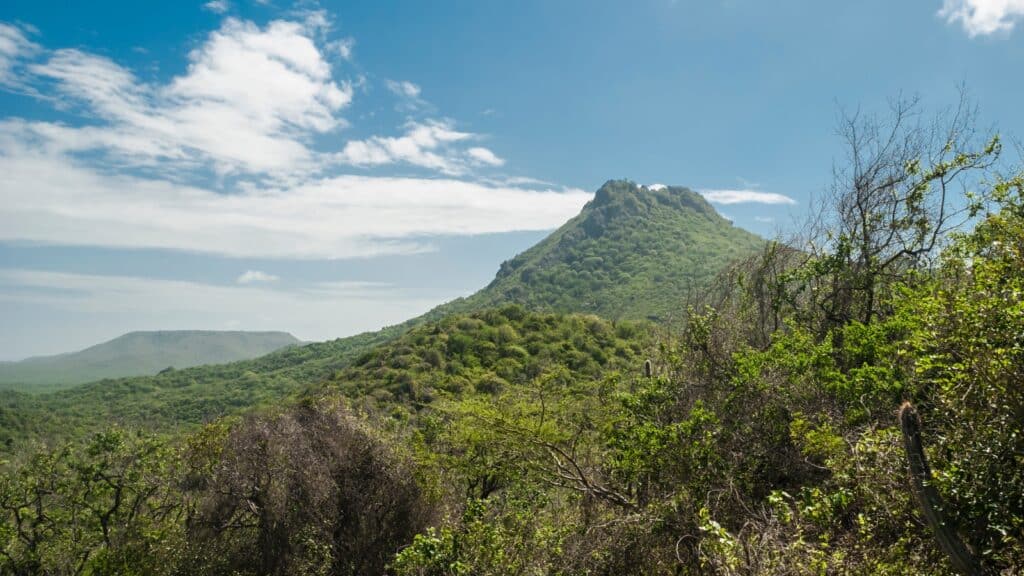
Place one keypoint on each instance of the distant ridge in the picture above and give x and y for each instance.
(139, 354)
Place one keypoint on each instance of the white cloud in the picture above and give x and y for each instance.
(134, 174)
(525, 181)
(745, 196)
(657, 187)
(256, 276)
(14, 45)
(48, 199)
(404, 88)
(484, 156)
(343, 47)
(217, 6)
(223, 113)
(222, 110)
(983, 17)
(425, 144)
(149, 303)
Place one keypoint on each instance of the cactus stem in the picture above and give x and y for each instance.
(928, 497)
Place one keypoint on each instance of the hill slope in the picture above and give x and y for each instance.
(508, 343)
(633, 252)
(140, 353)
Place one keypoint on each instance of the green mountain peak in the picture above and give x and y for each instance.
(633, 252)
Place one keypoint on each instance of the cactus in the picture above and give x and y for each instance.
(648, 368)
(928, 497)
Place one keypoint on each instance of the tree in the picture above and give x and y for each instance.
(890, 205)
(306, 491)
(91, 509)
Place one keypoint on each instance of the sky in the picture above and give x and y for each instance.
(328, 168)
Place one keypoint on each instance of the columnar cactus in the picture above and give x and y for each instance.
(648, 368)
(928, 497)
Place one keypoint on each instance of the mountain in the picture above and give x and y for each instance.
(633, 252)
(140, 353)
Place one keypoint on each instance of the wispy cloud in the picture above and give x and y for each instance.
(403, 88)
(255, 277)
(484, 156)
(14, 46)
(334, 217)
(430, 144)
(745, 197)
(343, 47)
(983, 17)
(217, 6)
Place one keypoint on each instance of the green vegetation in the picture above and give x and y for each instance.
(633, 252)
(848, 405)
(487, 352)
(307, 491)
(137, 354)
(176, 398)
(639, 252)
(446, 355)
(312, 487)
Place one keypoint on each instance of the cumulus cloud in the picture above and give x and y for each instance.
(256, 276)
(745, 196)
(222, 110)
(223, 114)
(983, 17)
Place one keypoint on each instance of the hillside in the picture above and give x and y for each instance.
(138, 354)
(633, 252)
(489, 351)
(500, 345)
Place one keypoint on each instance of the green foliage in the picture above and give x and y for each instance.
(172, 400)
(487, 352)
(777, 456)
(633, 252)
(760, 440)
(101, 508)
(309, 490)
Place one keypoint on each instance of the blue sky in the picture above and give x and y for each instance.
(331, 167)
